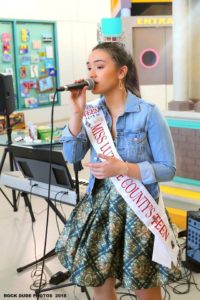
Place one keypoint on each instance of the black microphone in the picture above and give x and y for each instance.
(77, 86)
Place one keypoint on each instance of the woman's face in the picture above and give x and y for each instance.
(102, 69)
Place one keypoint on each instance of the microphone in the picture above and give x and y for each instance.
(77, 86)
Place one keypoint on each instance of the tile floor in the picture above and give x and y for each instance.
(23, 241)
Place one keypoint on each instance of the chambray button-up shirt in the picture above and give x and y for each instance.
(142, 137)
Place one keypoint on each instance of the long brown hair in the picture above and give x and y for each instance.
(121, 58)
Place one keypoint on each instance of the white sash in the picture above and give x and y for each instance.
(133, 191)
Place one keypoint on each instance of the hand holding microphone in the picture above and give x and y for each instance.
(77, 86)
(77, 98)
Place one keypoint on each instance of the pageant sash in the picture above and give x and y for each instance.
(133, 191)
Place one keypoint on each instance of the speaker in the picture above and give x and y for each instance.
(7, 97)
(193, 241)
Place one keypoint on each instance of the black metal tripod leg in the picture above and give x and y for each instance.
(14, 200)
(3, 158)
(52, 252)
(53, 288)
(46, 256)
(6, 197)
(58, 213)
(83, 289)
(28, 204)
(14, 204)
(12, 169)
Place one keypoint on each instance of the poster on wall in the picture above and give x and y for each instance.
(37, 61)
(29, 53)
(7, 59)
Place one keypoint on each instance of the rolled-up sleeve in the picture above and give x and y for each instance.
(74, 147)
(147, 172)
(163, 164)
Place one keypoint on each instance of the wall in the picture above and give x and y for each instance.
(76, 33)
(194, 48)
(185, 129)
(187, 145)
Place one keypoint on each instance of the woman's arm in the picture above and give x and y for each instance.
(74, 147)
(74, 138)
(163, 166)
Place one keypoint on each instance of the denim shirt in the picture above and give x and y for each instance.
(142, 137)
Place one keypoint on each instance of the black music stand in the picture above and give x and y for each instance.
(13, 166)
(29, 161)
(77, 167)
(34, 164)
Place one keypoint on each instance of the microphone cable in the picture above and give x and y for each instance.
(62, 193)
(55, 203)
(36, 272)
(48, 197)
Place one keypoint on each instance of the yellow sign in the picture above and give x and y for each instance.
(114, 4)
(154, 21)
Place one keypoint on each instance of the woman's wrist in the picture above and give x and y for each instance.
(78, 114)
(125, 168)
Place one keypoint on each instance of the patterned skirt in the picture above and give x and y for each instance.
(104, 238)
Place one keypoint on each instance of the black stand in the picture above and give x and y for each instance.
(77, 168)
(12, 168)
(51, 252)
(6, 150)
(47, 255)
(83, 289)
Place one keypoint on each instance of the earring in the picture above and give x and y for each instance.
(121, 86)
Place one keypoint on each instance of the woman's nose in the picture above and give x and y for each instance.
(92, 73)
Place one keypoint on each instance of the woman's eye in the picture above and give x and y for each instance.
(100, 67)
(95, 68)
